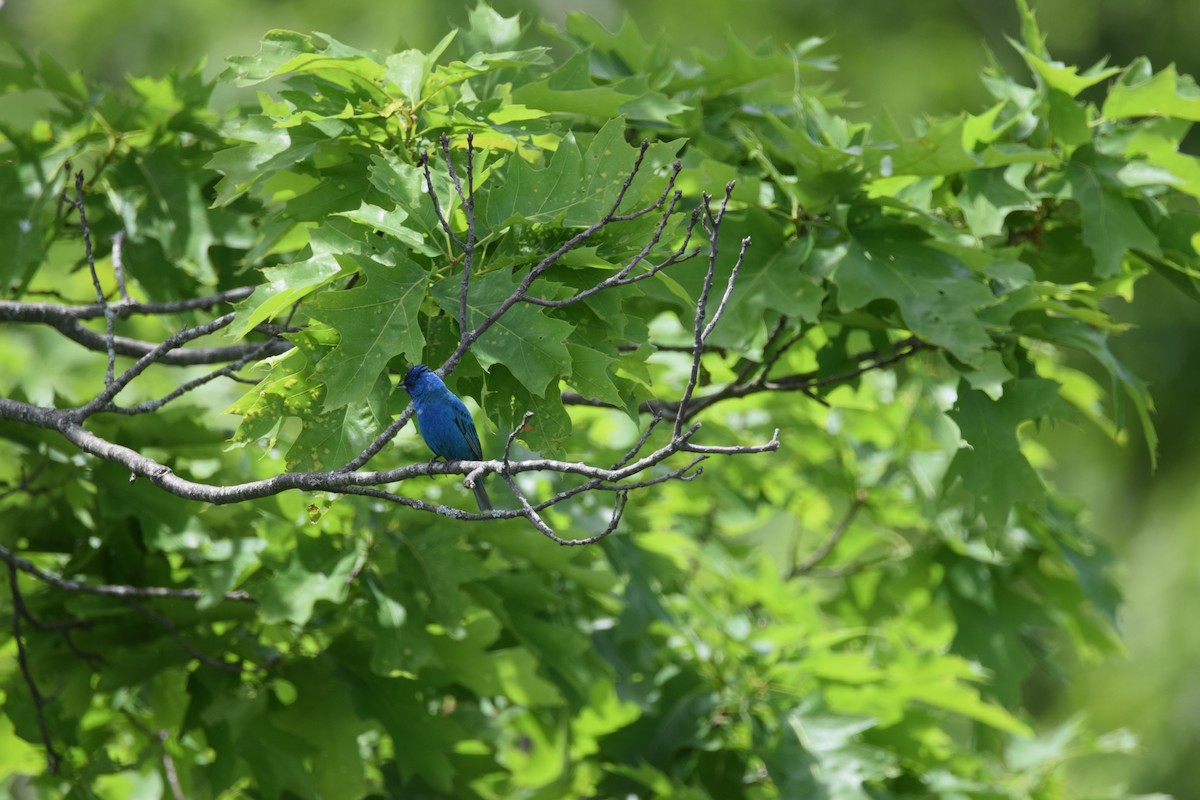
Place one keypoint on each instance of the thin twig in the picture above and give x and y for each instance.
(817, 556)
(770, 361)
(110, 590)
(803, 382)
(622, 276)
(468, 202)
(169, 770)
(118, 262)
(39, 701)
(149, 406)
(712, 226)
(172, 629)
(546, 263)
(752, 366)
(110, 320)
(14, 311)
(68, 324)
(114, 387)
(639, 444)
(437, 208)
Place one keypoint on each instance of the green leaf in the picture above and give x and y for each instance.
(1111, 224)
(990, 195)
(1065, 78)
(991, 466)
(591, 374)
(571, 90)
(21, 227)
(959, 698)
(316, 571)
(323, 714)
(627, 43)
(1068, 120)
(488, 30)
(376, 321)
(231, 563)
(438, 566)
(425, 742)
(334, 434)
(937, 296)
(1159, 141)
(1094, 342)
(409, 70)
(284, 52)
(271, 148)
(939, 150)
(1165, 94)
(577, 187)
(536, 195)
(526, 340)
(392, 224)
(285, 286)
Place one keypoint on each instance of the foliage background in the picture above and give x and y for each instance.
(912, 58)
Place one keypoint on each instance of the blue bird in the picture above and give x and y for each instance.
(445, 423)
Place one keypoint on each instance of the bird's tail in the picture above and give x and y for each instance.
(481, 496)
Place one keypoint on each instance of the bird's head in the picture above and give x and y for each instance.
(416, 375)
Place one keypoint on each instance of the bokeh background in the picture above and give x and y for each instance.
(910, 59)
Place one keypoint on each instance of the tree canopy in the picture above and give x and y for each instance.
(775, 378)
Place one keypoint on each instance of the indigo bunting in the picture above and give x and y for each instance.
(445, 423)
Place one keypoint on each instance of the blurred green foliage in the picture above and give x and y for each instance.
(911, 59)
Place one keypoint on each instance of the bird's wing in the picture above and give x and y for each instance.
(466, 426)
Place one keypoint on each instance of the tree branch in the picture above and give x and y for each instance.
(109, 590)
(39, 700)
(803, 382)
(817, 556)
(109, 319)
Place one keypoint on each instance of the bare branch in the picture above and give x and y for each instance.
(639, 444)
(67, 323)
(468, 201)
(169, 766)
(25, 483)
(873, 360)
(380, 441)
(118, 262)
(772, 444)
(622, 277)
(818, 555)
(803, 382)
(108, 590)
(109, 318)
(437, 208)
(733, 275)
(618, 511)
(39, 701)
(512, 437)
(522, 290)
(712, 226)
(12, 311)
(172, 629)
(114, 387)
(751, 366)
(226, 371)
(770, 361)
